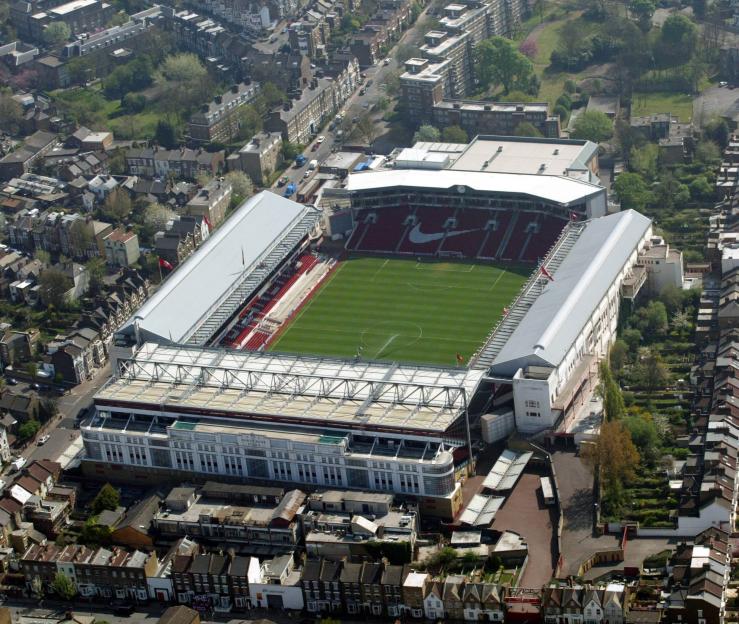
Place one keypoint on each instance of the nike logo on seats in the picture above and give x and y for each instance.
(417, 237)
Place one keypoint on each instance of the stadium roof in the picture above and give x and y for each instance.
(300, 389)
(558, 315)
(217, 278)
(481, 510)
(506, 471)
(557, 189)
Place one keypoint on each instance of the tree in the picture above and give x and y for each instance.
(56, 33)
(49, 407)
(96, 273)
(249, 121)
(54, 285)
(708, 153)
(291, 150)
(165, 134)
(717, 130)
(570, 38)
(593, 126)
(117, 205)
(406, 51)
(701, 189)
(28, 429)
(699, 8)
(427, 132)
(241, 186)
(441, 560)
(80, 237)
(652, 318)
(94, 534)
(133, 102)
(643, 10)
(619, 355)
(632, 191)
(365, 129)
(107, 498)
(454, 134)
(182, 68)
(63, 586)
(272, 94)
(156, 216)
(614, 458)
(11, 112)
(527, 129)
(677, 41)
(652, 372)
(609, 391)
(643, 160)
(529, 48)
(633, 338)
(498, 62)
(644, 435)
(43, 256)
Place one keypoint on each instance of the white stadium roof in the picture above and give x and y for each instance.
(557, 189)
(268, 386)
(558, 314)
(218, 276)
(506, 471)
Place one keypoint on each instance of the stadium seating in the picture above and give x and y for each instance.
(518, 235)
(385, 233)
(468, 244)
(259, 308)
(429, 220)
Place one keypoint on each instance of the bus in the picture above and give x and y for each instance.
(547, 491)
(309, 190)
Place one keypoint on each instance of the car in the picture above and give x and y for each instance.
(723, 83)
(355, 119)
(43, 439)
(362, 91)
(315, 146)
(290, 190)
(35, 386)
(283, 181)
(386, 62)
(320, 139)
(362, 75)
(365, 105)
(307, 174)
(12, 381)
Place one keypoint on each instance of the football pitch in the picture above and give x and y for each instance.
(403, 310)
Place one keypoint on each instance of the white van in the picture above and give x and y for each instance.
(18, 463)
(312, 165)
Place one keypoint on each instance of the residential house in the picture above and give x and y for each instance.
(414, 593)
(433, 605)
(183, 235)
(210, 203)
(321, 585)
(21, 160)
(121, 248)
(22, 407)
(181, 163)
(259, 158)
(392, 581)
(133, 530)
(275, 583)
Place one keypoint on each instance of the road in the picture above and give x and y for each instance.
(28, 612)
(61, 430)
(357, 105)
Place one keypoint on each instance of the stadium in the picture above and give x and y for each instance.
(451, 295)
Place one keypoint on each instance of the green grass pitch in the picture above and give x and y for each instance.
(403, 310)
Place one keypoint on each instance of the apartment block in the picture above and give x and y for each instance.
(210, 202)
(219, 120)
(259, 158)
(121, 248)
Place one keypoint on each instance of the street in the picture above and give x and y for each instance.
(29, 612)
(356, 106)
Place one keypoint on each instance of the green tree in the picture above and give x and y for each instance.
(527, 129)
(96, 272)
(11, 112)
(156, 216)
(708, 153)
(63, 586)
(81, 238)
(454, 134)
(643, 160)
(717, 130)
(652, 372)
(291, 150)
(183, 68)
(117, 205)
(643, 10)
(56, 33)
(272, 94)
(701, 189)
(407, 51)
(107, 498)
(610, 392)
(427, 132)
(250, 122)
(633, 338)
(28, 430)
(165, 134)
(497, 61)
(619, 355)
(652, 318)
(53, 287)
(441, 560)
(677, 41)
(593, 126)
(632, 191)
(49, 408)
(94, 534)
(645, 436)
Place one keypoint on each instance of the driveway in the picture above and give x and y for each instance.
(713, 102)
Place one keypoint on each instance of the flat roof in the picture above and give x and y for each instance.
(75, 5)
(557, 189)
(525, 156)
(254, 237)
(262, 386)
(557, 316)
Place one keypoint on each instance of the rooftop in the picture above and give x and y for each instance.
(258, 234)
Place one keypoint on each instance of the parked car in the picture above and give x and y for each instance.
(386, 62)
(43, 439)
(290, 190)
(320, 139)
(12, 381)
(283, 181)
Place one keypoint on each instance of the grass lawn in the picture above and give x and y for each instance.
(679, 104)
(401, 309)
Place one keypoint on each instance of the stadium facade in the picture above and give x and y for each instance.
(178, 407)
